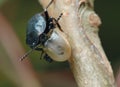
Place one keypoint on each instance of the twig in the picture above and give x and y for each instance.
(88, 61)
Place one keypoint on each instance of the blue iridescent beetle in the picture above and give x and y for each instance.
(42, 35)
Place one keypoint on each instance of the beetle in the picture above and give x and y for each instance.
(45, 34)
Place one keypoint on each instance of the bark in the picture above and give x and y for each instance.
(80, 23)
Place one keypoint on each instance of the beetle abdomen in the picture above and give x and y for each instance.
(57, 46)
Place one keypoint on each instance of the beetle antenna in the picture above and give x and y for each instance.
(49, 4)
(59, 17)
(56, 21)
(27, 53)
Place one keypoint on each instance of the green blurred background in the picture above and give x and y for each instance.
(18, 13)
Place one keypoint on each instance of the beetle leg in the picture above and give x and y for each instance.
(39, 49)
(47, 58)
(56, 22)
(42, 53)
